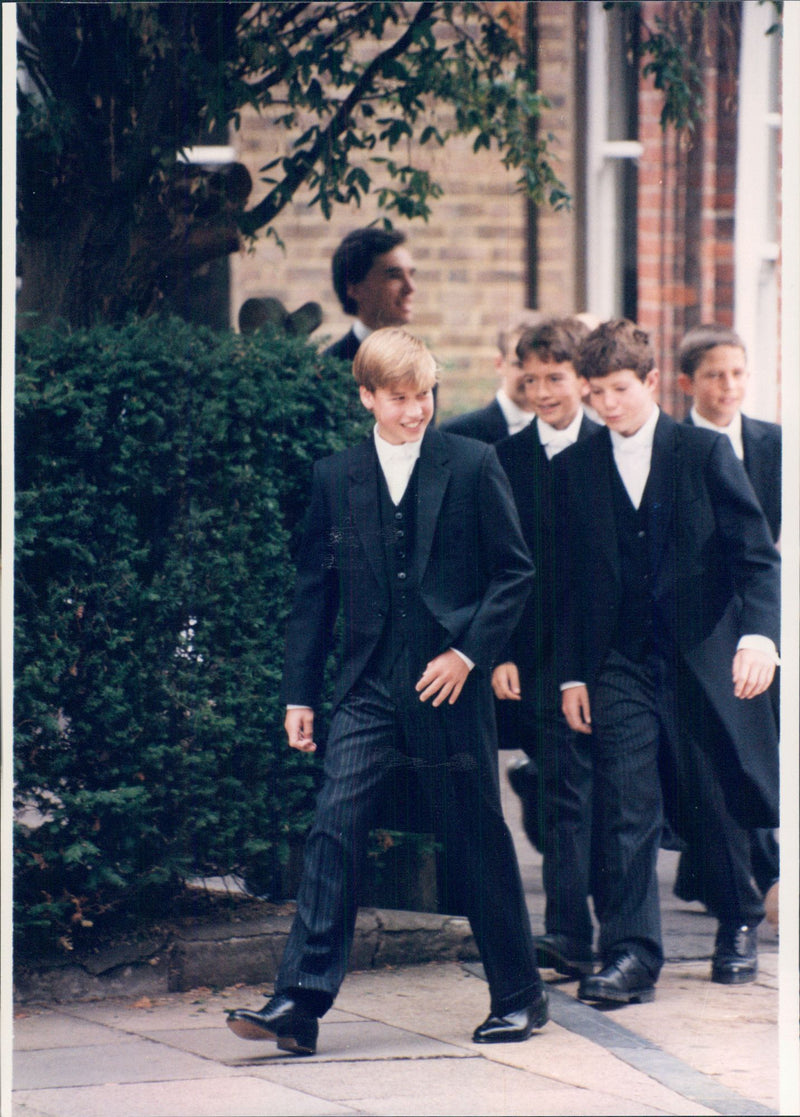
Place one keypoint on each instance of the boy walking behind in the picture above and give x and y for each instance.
(555, 783)
(714, 373)
(669, 646)
(412, 539)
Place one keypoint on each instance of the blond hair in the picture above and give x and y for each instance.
(392, 355)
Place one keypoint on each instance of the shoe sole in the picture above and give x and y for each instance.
(643, 996)
(551, 960)
(245, 1029)
(734, 978)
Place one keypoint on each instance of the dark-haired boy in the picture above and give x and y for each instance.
(714, 373)
(413, 540)
(668, 648)
(510, 411)
(555, 783)
(373, 277)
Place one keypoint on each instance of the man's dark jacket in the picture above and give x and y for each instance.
(345, 348)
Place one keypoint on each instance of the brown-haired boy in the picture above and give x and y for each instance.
(555, 783)
(671, 599)
(412, 540)
(715, 374)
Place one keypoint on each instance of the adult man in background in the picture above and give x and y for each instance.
(373, 277)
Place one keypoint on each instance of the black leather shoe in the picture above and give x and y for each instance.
(282, 1020)
(515, 1026)
(564, 955)
(524, 780)
(735, 958)
(624, 981)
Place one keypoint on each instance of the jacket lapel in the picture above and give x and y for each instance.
(434, 475)
(598, 479)
(363, 485)
(660, 489)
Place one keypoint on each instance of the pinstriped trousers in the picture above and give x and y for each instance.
(378, 732)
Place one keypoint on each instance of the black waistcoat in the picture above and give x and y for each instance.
(635, 636)
(398, 536)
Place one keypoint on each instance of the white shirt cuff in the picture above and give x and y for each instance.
(760, 644)
(466, 658)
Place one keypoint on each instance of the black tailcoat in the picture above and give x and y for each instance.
(762, 463)
(529, 472)
(487, 424)
(473, 566)
(467, 576)
(715, 577)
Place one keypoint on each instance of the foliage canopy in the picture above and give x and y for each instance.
(110, 96)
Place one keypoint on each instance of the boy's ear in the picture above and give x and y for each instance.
(686, 383)
(584, 386)
(652, 379)
(367, 397)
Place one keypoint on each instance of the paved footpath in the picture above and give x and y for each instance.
(398, 1042)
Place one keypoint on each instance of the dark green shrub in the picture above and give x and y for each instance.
(161, 474)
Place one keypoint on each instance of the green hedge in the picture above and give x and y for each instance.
(161, 475)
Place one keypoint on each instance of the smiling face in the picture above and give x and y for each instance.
(553, 390)
(385, 295)
(719, 383)
(512, 378)
(402, 411)
(622, 400)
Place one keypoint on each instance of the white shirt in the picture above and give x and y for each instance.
(733, 430)
(554, 441)
(632, 456)
(516, 419)
(360, 330)
(397, 463)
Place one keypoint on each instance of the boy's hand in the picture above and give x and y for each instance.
(575, 705)
(505, 681)
(299, 726)
(445, 677)
(753, 671)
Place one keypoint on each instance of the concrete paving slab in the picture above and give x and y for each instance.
(365, 1040)
(475, 1085)
(403, 997)
(43, 1030)
(138, 1060)
(690, 1015)
(215, 1097)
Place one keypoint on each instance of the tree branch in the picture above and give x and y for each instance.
(301, 165)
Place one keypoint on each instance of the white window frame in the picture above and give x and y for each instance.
(756, 247)
(604, 262)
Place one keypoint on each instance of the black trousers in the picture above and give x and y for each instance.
(378, 732)
(653, 730)
(562, 792)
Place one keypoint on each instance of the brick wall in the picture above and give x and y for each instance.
(686, 206)
(470, 260)
(559, 43)
(471, 257)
